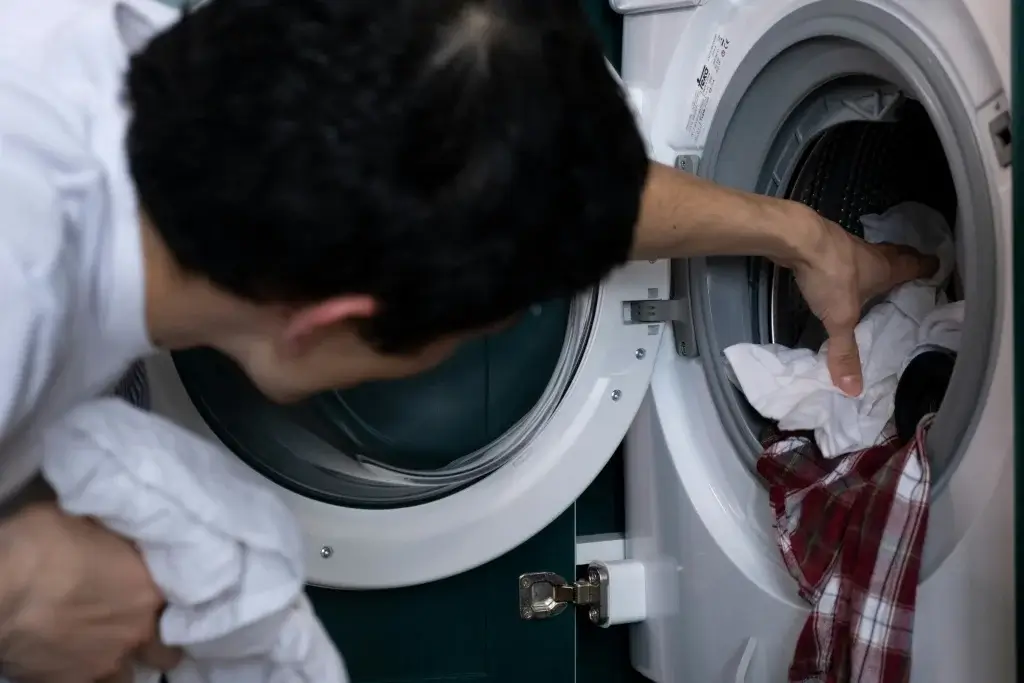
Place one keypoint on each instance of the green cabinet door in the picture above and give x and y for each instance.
(466, 628)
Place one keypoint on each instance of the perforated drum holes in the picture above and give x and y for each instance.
(855, 169)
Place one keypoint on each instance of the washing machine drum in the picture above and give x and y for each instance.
(848, 170)
(852, 170)
(401, 442)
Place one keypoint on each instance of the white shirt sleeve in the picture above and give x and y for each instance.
(37, 272)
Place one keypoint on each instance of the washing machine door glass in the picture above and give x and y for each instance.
(400, 442)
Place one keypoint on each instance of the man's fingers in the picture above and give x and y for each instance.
(158, 656)
(844, 362)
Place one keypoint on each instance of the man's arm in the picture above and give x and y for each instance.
(684, 216)
(36, 289)
(50, 563)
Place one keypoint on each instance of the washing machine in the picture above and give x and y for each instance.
(850, 106)
(847, 105)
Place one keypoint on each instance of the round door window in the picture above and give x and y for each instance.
(407, 441)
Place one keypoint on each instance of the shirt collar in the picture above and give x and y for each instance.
(139, 20)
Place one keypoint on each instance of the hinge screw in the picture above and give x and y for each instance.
(616, 395)
(326, 551)
(640, 353)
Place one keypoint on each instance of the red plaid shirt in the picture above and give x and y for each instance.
(851, 530)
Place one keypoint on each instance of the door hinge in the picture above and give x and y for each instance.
(674, 311)
(543, 595)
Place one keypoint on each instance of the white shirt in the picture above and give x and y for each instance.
(224, 550)
(72, 317)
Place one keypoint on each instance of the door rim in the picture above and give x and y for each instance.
(388, 548)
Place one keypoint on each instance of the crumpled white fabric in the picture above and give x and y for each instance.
(940, 329)
(225, 551)
(793, 386)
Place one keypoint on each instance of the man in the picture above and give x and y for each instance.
(329, 192)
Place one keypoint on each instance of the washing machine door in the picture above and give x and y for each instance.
(404, 482)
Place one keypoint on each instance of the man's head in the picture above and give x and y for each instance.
(374, 180)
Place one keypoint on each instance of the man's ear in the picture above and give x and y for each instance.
(309, 321)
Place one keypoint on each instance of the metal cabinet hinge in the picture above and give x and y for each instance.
(673, 311)
(543, 595)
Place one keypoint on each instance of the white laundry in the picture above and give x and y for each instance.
(941, 329)
(227, 554)
(793, 386)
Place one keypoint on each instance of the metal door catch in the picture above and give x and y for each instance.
(655, 311)
(675, 312)
(543, 595)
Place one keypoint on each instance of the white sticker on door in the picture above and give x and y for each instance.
(706, 80)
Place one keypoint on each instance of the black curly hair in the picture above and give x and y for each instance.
(455, 159)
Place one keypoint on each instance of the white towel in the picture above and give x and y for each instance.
(225, 551)
(793, 386)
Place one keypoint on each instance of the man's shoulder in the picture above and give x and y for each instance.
(42, 147)
(78, 44)
(28, 32)
(61, 118)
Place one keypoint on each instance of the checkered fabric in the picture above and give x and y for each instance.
(851, 530)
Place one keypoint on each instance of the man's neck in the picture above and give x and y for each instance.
(182, 311)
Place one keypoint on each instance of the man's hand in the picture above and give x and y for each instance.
(77, 603)
(838, 274)
(683, 216)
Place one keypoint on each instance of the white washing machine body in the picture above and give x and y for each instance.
(720, 605)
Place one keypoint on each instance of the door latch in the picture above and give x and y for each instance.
(675, 311)
(543, 595)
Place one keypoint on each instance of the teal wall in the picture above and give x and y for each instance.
(608, 25)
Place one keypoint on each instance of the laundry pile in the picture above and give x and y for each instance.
(851, 530)
(848, 477)
(226, 553)
(793, 386)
